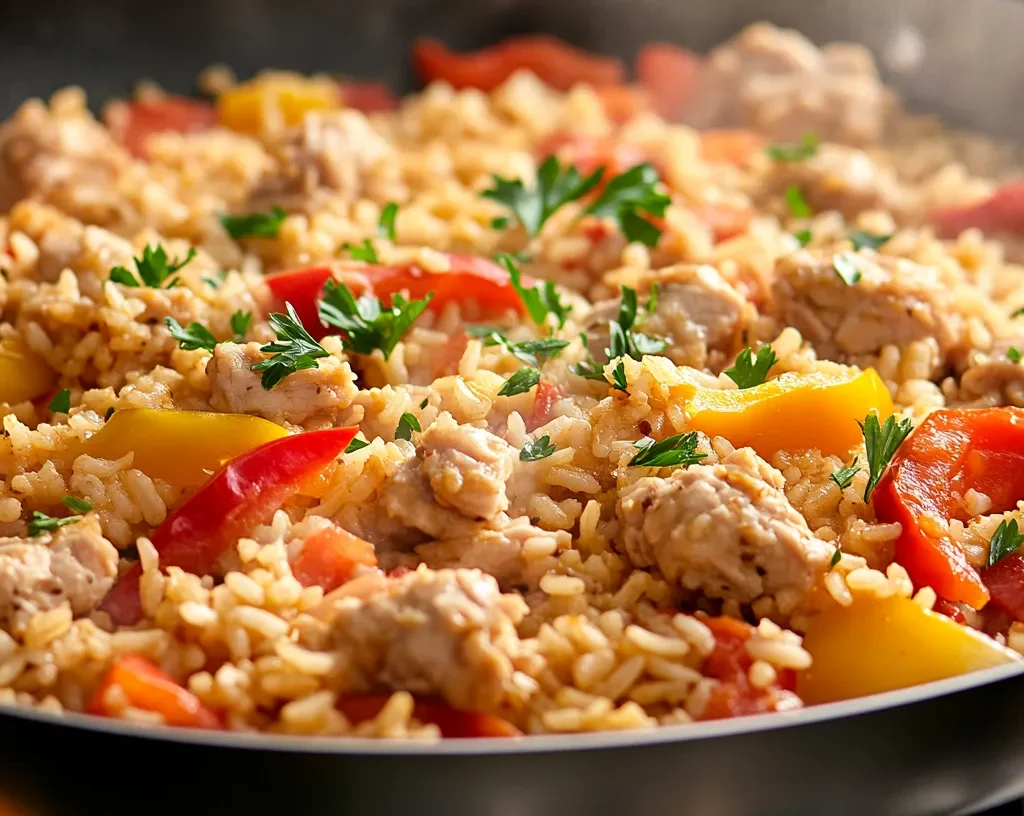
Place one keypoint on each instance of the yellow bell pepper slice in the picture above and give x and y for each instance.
(275, 97)
(878, 645)
(793, 412)
(24, 375)
(180, 447)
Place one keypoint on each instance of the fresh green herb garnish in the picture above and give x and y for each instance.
(629, 194)
(532, 352)
(652, 297)
(386, 224)
(520, 382)
(751, 368)
(846, 268)
(881, 442)
(293, 351)
(622, 340)
(41, 523)
(619, 377)
(680, 449)
(861, 240)
(254, 225)
(500, 223)
(803, 236)
(1018, 312)
(191, 337)
(590, 369)
(540, 299)
(425, 403)
(844, 475)
(1013, 354)
(217, 280)
(555, 187)
(61, 404)
(366, 324)
(789, 151)
(153, 269)
(77, 505)
(537, 449)
(1005, 540)
(362, 252)
(240, 322)
(797, 204)
(356, 444)
(837, 556)
(406, 425)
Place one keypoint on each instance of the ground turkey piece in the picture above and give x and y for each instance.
(992, 378)
(307, 395)
(450, 633)
(76, 564)
(896, 301)
(698, 314)
(726, 530)
(461, 477)
(777, 82)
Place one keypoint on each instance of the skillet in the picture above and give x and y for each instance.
(953, 747)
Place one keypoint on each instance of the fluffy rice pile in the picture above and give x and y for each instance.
(570, 634)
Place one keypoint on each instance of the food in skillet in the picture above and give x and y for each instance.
(517, 406)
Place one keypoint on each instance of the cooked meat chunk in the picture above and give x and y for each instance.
(310, 395)
(76, 564)
(992, 378)
(779, 83)
(726, 530)
(896, 301)
(499, 552)
(449, 632)
(698, 314)
(838, 178)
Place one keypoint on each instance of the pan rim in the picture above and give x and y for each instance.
(533, 744)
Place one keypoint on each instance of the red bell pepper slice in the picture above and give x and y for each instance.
(236, 498)
(1003, 211)
(670, 75)
(132, 123)
(330, 556)
(469, 279)
(368, 97)
(453, 724)
(951, 452)
(555, 62)
(730, 663)
(149, 689)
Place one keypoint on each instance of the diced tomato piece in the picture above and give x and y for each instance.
(132, 123)
(547, 394)
(623, 102)
(555, 62)
(452, 723)
(587, 153)
(730, 146)
(147, 688)
(725, 221)
(950, 611)
(330, 556)
(1003, 211)
(670, 74)
(236, 498)
(730, 663)
(368, 97)
(470, 279)
(1005, 582)
(951, 452)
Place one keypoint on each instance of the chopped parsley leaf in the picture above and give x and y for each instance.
(806, 148)
(881, 442)
(629, 194)
(356, 444)
(254, 225)
(803, 236)
(366, 324)
(677, 450)
(751, 368)
(1013, 354)
(386, 224)
(619, 377)
(845, 267)
(538, 449)
(652, 297)
(153, 269)
(500, 223)
(844, 476)
(861, 240)
(532, 352)
(41, 523)
(1018, 312)
(406, 425)
(1005, 540)
(540, 299)
(192, 337)
(797, 204)
(362, 252)
(240, 322)
(61, 404)
(520, 382)
(293, 351)
(217, 280)
(76, 504)
(622, 340)
(424, 404)
(837, 556)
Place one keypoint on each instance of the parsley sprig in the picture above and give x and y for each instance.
(843, 476)
(532, 352)
(386, 224)
(622, 340)
(254, 225)
(630, 195)
(540, 299)
(361, 252)
(365, 322)
(240, 322)
(520, 382)
(76, 504)
(861, 240)
(806, 148)
(293, 351)
(40, 523)
(845, 266)
(752, 367)
(796, 203)
(61, 403)
(1005, 540)
(407, 423)
(192, 337)
(881, 442)
(590, 369)
(537, 449)
(678, 450)
(153, 269)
